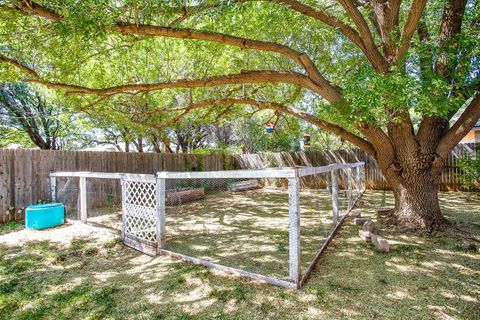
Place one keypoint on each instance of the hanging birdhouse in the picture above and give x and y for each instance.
(269, 127)
(306, 141)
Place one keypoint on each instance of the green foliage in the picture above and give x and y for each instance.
(229, 163)
(9, 227)
(470, 168)
(252, 137)
(84, 49)
(13, 136)
(31, 118)
(324, 140)
(371, 95)
(90, 19)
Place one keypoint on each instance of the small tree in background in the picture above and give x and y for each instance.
(29, 119)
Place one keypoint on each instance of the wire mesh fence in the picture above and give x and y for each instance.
(67, 192)
(103, 199)
(270, 222)
(315, 214)
(240, 222)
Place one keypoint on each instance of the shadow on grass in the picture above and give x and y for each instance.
(86, 281)
(421, 278)
(249, 230)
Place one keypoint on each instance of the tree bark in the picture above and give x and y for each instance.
(416, 202)
(414, 177)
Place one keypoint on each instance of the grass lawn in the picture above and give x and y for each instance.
(87, 274)
(249, 230)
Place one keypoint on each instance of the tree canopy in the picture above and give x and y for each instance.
(279, 52)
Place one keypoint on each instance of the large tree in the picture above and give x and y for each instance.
(385, 75)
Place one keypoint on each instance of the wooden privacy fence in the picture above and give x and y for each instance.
(374, 177)
(24, 173)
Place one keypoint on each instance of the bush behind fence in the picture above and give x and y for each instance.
(24, 173)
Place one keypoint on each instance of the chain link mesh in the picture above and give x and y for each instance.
(67, 192)
(103, 199)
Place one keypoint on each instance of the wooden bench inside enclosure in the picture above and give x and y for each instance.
(244, 186)
(178, 197)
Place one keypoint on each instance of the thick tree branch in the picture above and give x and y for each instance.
(331, 93)
(316, 13)
(33, 8)
(429, 133)
(451, 26)
(20, 66)
(411, 24)
(400, 129)
(322, 16)
(366, 44)
(245, 77)
(385, 151)
(295, 5)
(432, 128)
(385, 19)
(375, 57)
(356, 140)
(460, 128)
(35, 77)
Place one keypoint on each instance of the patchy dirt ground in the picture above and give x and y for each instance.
(62, 235)
(83, 272)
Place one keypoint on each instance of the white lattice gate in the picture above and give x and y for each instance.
(140, 213)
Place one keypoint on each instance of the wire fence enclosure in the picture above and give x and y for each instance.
(244, 222)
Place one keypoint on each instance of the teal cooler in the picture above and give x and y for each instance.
(47, 215)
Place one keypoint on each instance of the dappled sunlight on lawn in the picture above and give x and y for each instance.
(89, 276)
(249, 230)
(418, 270)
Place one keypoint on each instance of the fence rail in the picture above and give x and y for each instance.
(24, 173)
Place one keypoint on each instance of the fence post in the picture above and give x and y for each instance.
(123, 186)
(350, 187)
(294, 228)
(83, 199)
(364, 178)
(160, 197)
(53, 188)
(334, 174)
(358, 180)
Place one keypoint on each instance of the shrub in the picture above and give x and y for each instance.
(470, 166)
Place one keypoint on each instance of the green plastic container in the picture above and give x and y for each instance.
(47, 215)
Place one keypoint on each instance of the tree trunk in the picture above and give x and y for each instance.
(415, 189)
(417, 207)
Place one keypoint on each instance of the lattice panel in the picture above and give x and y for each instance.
(140, 209)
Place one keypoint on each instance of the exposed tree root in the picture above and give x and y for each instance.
(444, 227)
